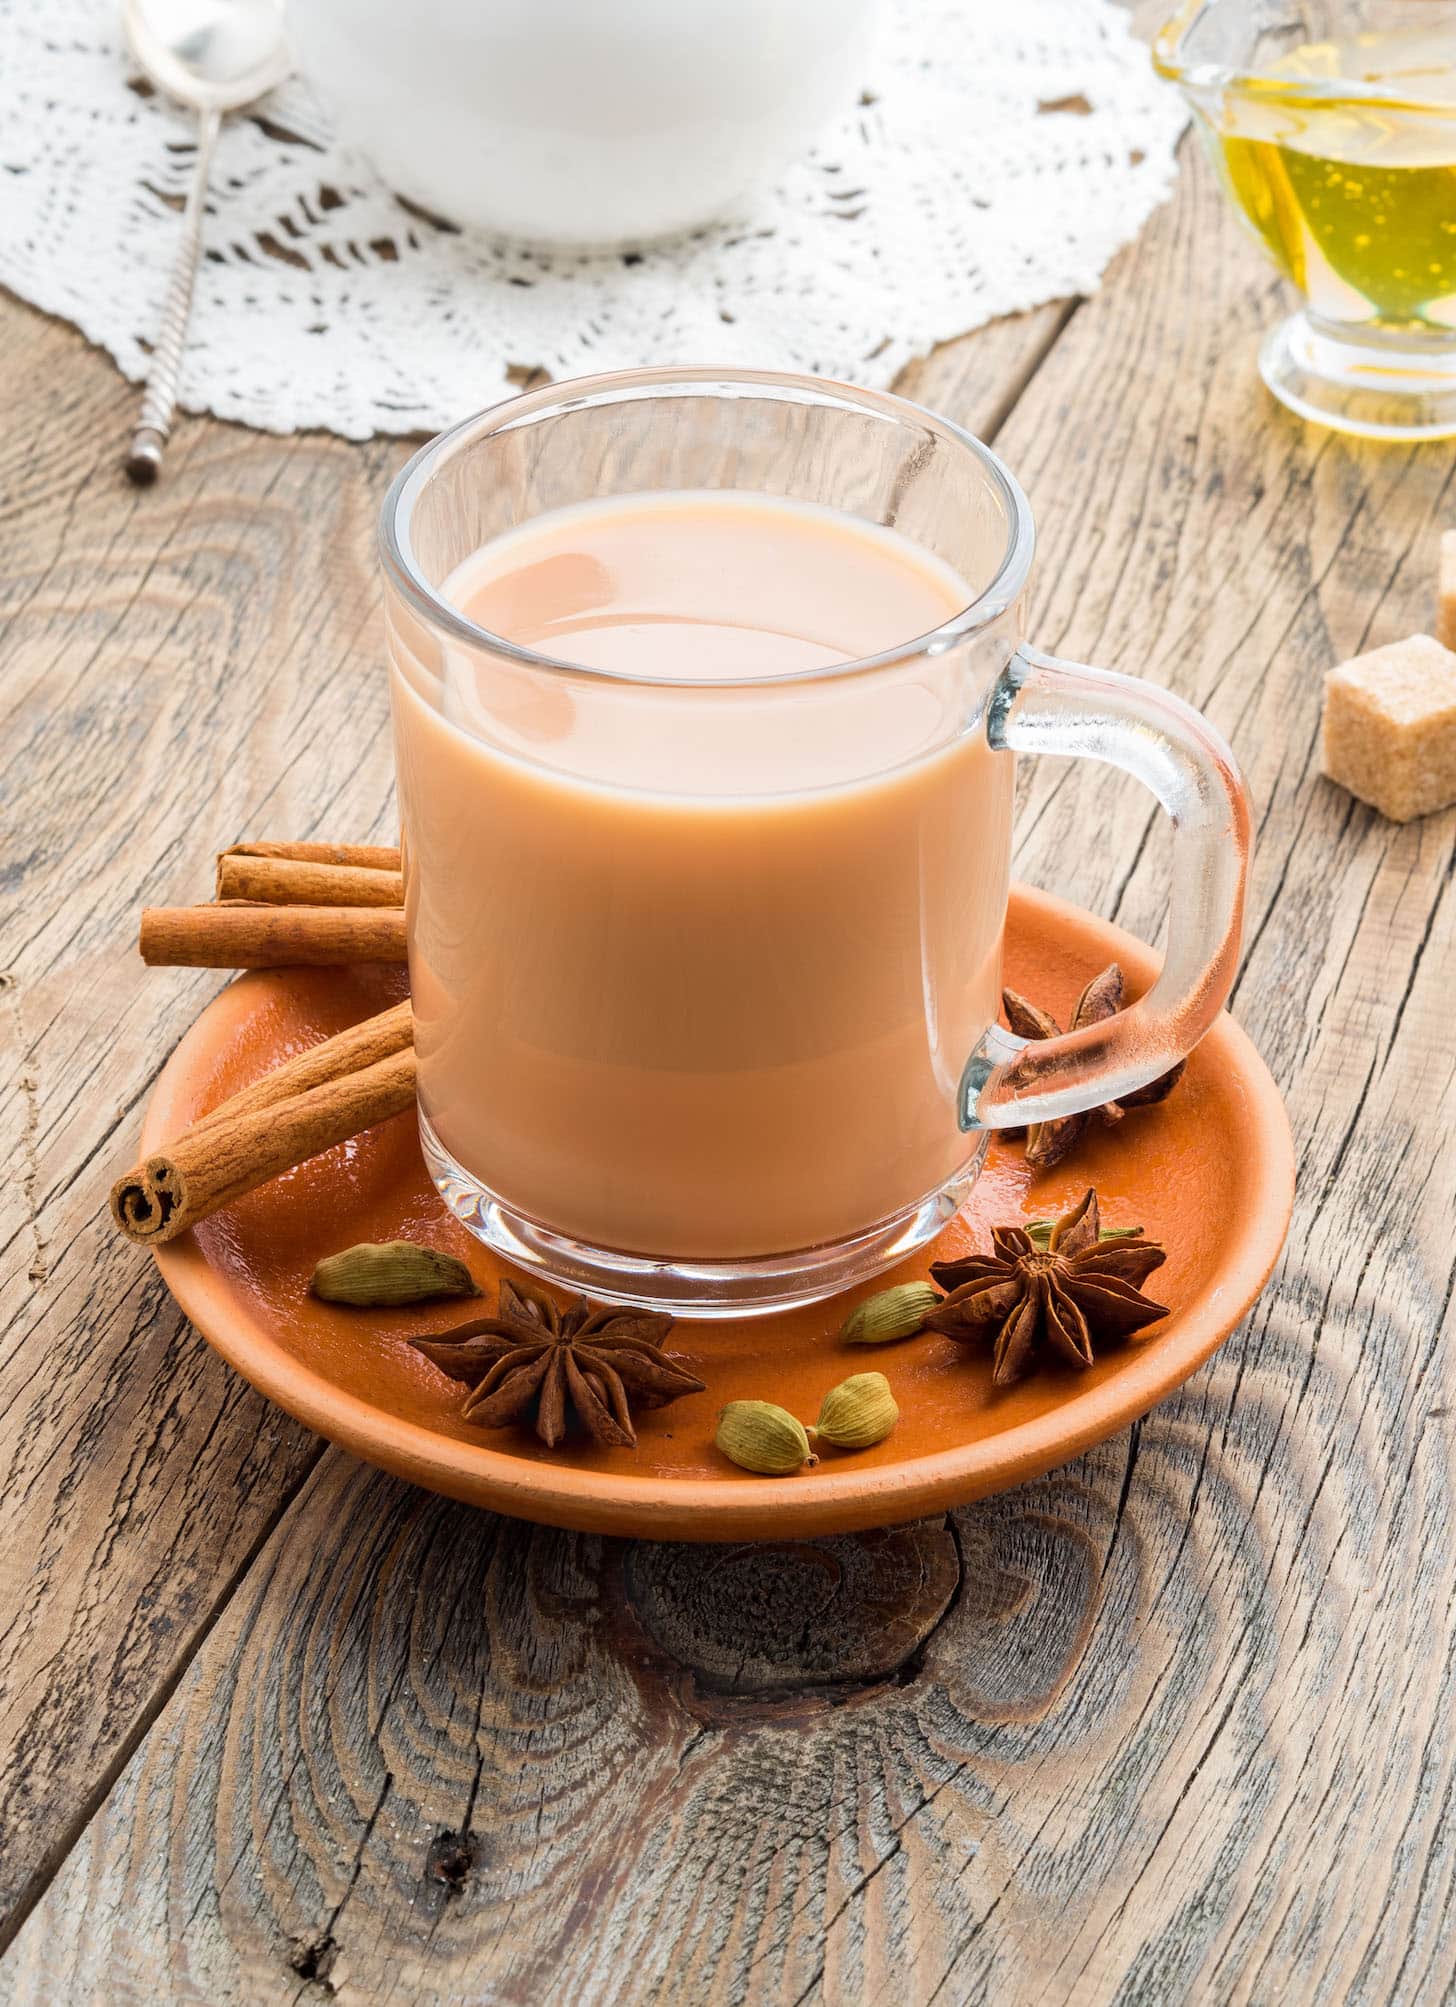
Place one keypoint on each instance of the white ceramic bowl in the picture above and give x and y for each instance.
(587, 122)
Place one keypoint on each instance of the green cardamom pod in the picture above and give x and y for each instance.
(379, 1273)
(859, 1411)
(895, 1313)
(1039, 1233)
(759, 1437)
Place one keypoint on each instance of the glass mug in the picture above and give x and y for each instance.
(1333, 127)
(706, 973)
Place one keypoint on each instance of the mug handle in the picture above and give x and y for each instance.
(1041, 704)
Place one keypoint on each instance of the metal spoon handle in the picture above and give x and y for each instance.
(160, 398)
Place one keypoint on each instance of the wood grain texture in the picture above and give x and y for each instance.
(548, 1804)
(1180, 1731)
(176, 668)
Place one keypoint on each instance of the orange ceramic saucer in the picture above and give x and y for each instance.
(1209, 1172)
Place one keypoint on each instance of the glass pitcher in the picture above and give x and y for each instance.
(1333, 126)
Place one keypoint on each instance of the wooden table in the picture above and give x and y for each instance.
(1172, 1723)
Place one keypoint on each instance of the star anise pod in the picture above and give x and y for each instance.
(1048, 1142)
(536, 1360)
(1060, 1300)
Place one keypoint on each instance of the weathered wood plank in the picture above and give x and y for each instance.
(175, 664)
(1182, 1732)
(547, 1803)
(978, 380)
(180, 667)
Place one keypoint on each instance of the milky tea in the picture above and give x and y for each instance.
(659, 1012)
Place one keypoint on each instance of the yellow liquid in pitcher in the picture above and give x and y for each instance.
(1354, 196)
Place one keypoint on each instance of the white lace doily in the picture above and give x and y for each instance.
(950, 195)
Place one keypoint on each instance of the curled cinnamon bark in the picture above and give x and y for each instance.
(317, 1099)
(367, 856)
(363, 1044)
(297, 881)
(234, 1150)
(270, 937)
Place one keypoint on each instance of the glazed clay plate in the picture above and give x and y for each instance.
(1208, 1172)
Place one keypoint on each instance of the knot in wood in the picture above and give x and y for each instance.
(449, 1861)
(777, 1615)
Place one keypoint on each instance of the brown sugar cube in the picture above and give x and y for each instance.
(1446, 592)
(1390, 727)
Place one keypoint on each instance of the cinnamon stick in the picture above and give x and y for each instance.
(297, 881)
(368, 856)
(270, 937)
(229, 1154)
(363, 1044)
